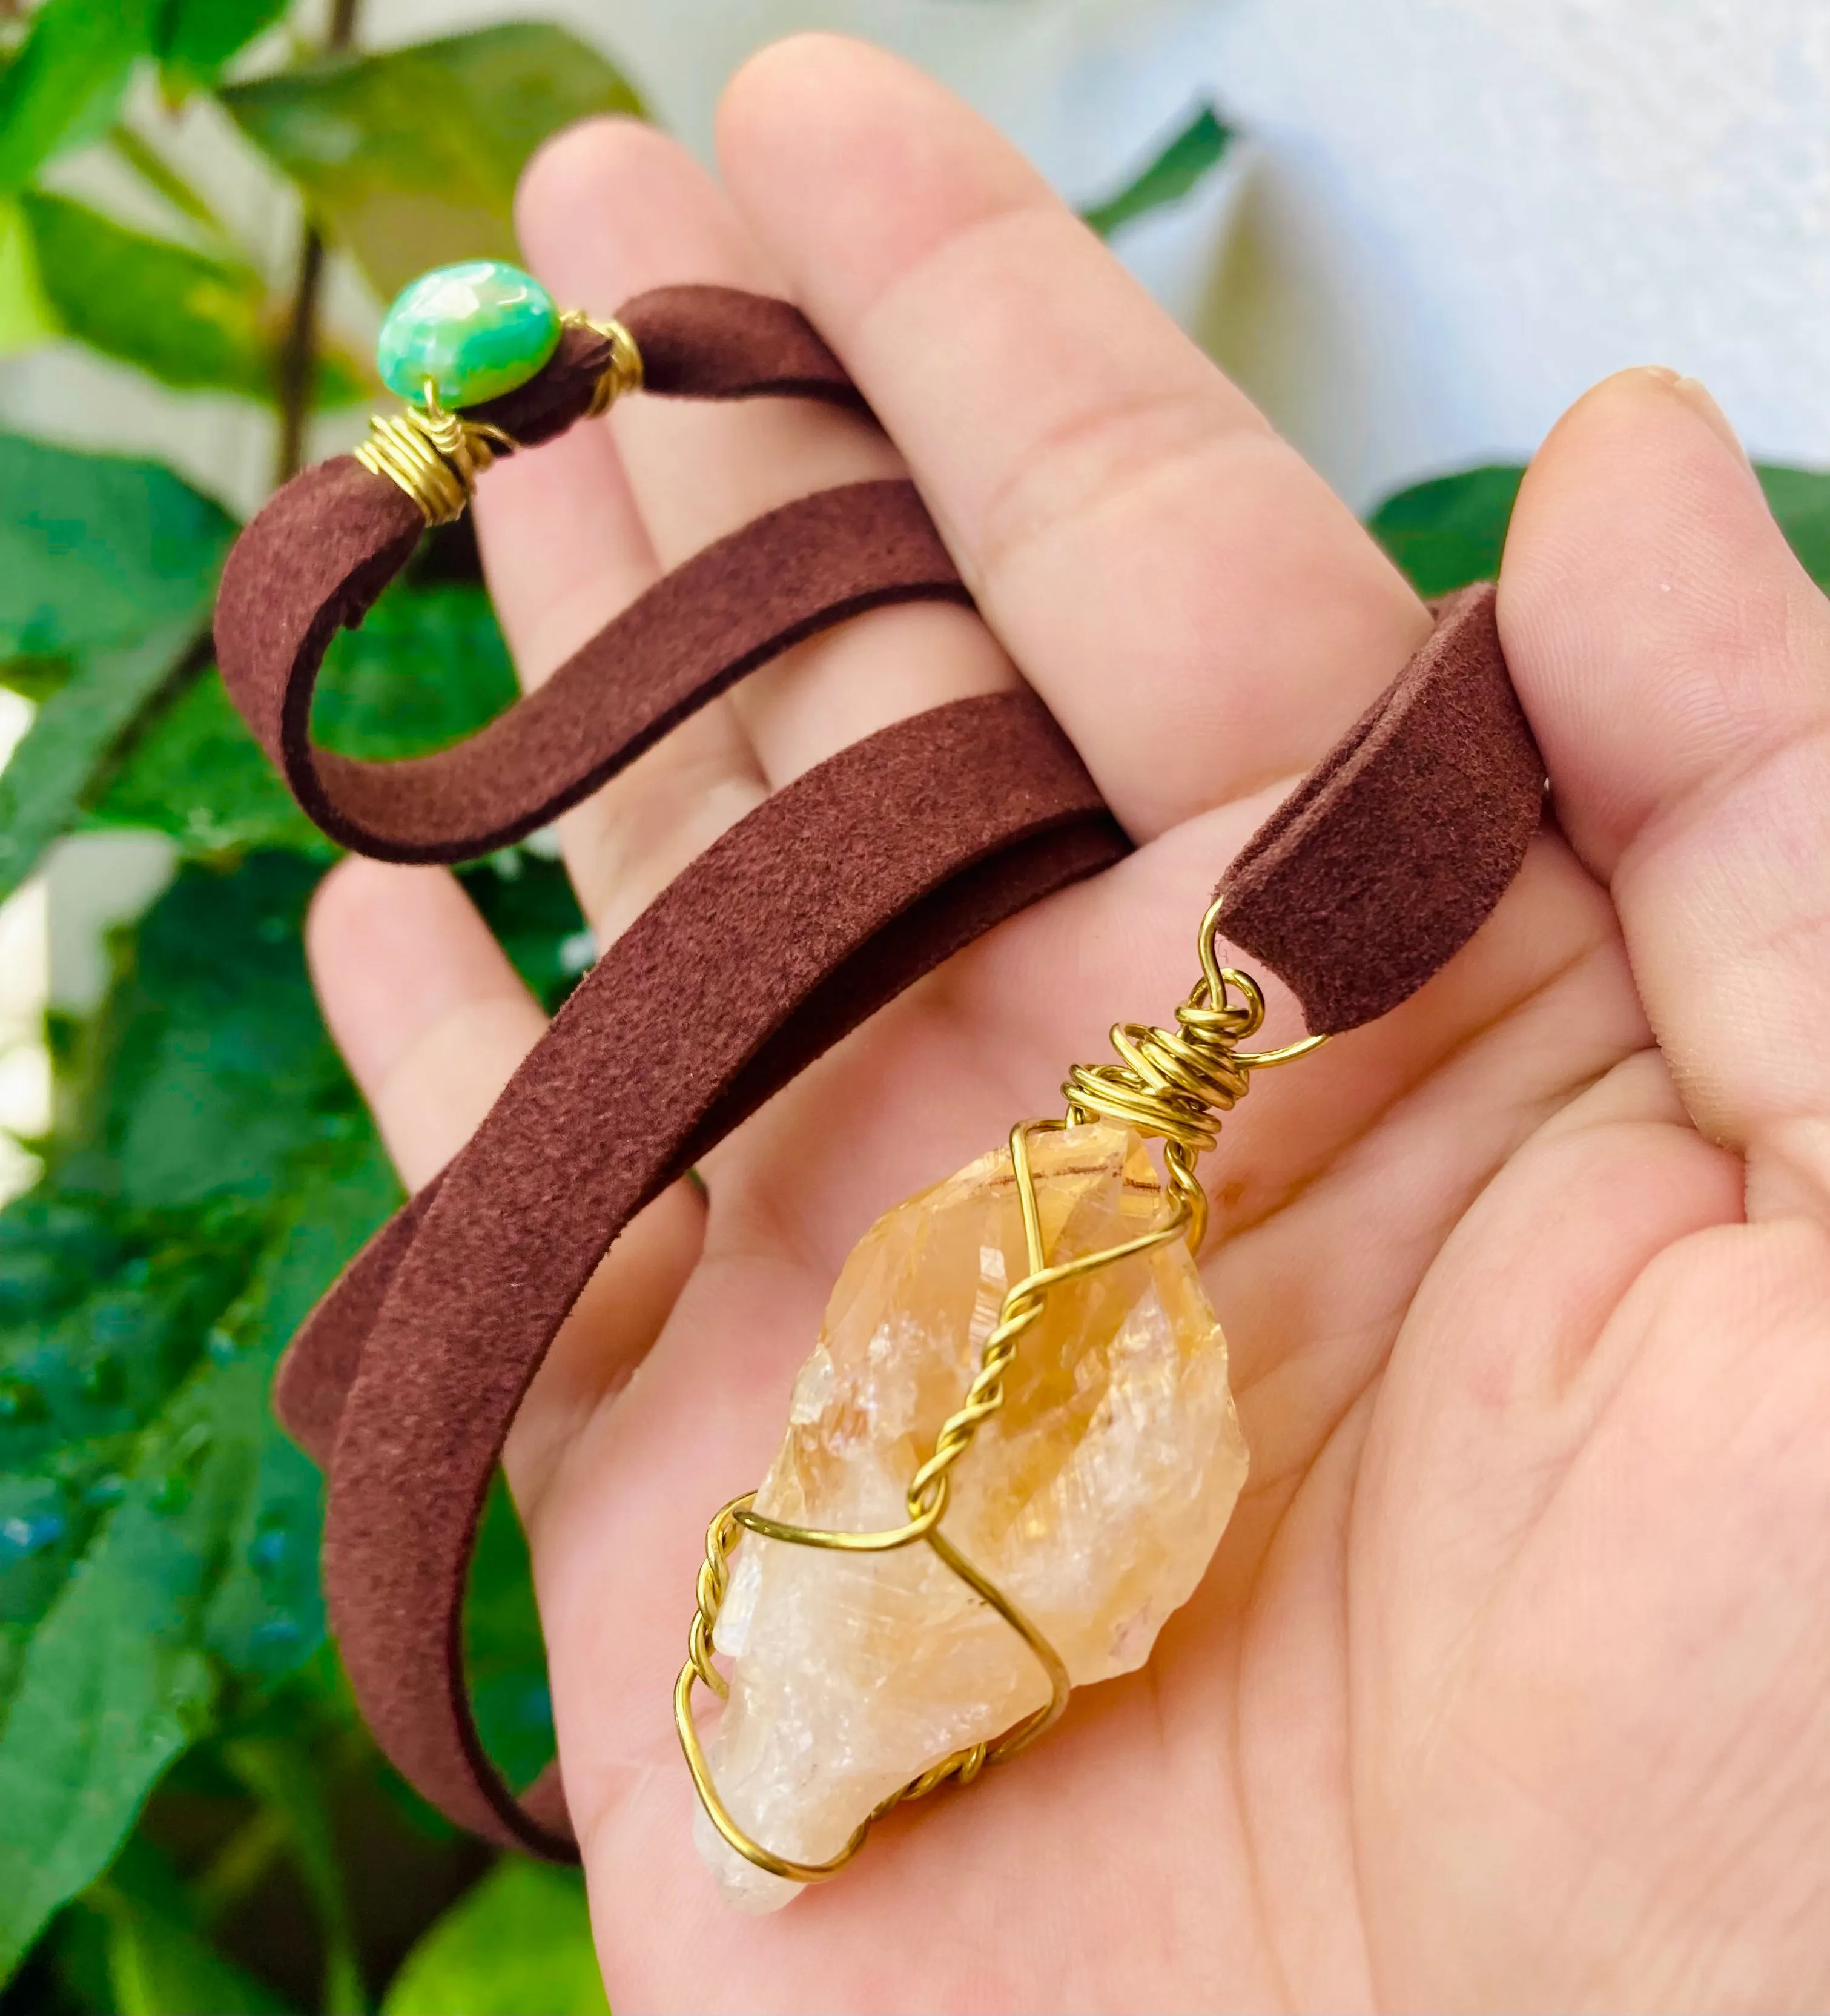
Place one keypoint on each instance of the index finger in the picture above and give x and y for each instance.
(1201, 613)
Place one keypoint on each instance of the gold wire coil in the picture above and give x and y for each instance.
(436, 456)
(623, 373)
(1175, 1083)
(1170, 1083)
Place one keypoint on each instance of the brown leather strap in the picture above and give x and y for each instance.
(323, 549)
(1390, 855)
(749, 965)
(812, 564)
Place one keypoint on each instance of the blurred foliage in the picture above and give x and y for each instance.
(195, 322)
(410, 159)
(1452, 529)
(1186, 160)
(195, 1820)
(475, 1958)
(1448, 532)
(193, 1817)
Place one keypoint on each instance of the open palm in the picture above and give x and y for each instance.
(1510, 1682)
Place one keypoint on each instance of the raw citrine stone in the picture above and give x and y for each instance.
(1094, 1498)
(476, 330)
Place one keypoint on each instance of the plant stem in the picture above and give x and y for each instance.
(296, 368)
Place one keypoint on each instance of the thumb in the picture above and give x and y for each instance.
(1674, 660)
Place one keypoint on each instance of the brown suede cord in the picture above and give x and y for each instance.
(330, 538)
(321, 551)
(1389, 855)
(829, 900)
(788, 931)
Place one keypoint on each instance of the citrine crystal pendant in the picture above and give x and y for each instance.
(1009, 1459)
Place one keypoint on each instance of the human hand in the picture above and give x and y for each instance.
(1509, 1681)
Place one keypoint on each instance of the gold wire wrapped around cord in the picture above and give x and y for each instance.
(1175, 1083)
(623, 373)
(1171, 1083)
(436, 456)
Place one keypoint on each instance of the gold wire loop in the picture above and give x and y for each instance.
(436, 456)
(1173, 1083)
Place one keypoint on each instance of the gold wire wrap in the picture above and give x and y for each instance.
(1175, 1083)
(1171, 1083)
(623, 373)
(436, 456)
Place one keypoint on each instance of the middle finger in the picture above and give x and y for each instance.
(613, 208)
(1201, 615)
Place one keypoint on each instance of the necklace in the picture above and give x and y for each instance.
(1031, 1326)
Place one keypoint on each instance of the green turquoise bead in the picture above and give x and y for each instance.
(476, 330)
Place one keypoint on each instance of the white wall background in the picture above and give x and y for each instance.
(1452, 216)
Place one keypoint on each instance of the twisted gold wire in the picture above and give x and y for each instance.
(926, 1502)
(1171, 1083)
(436, 456)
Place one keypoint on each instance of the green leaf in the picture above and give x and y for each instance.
(520, 1941)
(200, 1573)
(1187, 160)
(427, 667)
(136, 152)
(159, 1968)
(159, 1964)
(505, 1656)
(281, 1774)
(409, 158)
(102, 1312)
(107, 571)
(196, 775)
(193, 322)
(194, 38)
(26, 316)
(115, 1680)
(1452, 529)
(1449, 531)
(66, 83)
(1800, 501)
(97, 551)
(221, 1082)
(268, 1617)
(44, 785)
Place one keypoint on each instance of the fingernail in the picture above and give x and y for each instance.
(1695, 395)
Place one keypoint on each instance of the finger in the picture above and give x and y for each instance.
(1675, 661)
(433, 1022)
(1201, 614)
(565, 551)
(431, 1018)
(613, 208)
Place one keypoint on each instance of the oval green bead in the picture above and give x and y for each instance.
(477, 329)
